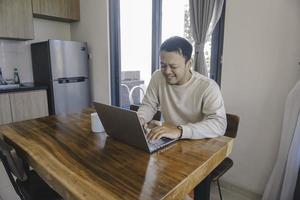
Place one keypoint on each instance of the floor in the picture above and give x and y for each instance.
(229, 194)
(7, 192)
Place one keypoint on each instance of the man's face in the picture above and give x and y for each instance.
(174, 68)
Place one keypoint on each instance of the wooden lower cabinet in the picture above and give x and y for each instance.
(5, 110)
(28, 105)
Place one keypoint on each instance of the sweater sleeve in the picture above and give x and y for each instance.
(150, 101)
(214, 122)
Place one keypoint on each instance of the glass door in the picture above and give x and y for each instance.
(135, 39)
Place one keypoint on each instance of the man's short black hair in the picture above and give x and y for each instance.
(178, 44)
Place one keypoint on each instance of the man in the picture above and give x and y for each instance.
(191, 104)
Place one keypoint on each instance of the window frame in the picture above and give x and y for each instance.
(115, 51)
(217, 43)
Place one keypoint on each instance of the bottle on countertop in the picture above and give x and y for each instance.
(2, 82)
(16, 76)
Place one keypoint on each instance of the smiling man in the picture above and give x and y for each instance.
(191, 104)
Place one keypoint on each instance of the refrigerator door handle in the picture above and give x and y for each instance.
(71, 80)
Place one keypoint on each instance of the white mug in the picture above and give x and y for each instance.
(96, 124)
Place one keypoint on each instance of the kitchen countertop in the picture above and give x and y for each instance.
(24, 87)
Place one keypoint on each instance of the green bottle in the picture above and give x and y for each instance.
(16, 76)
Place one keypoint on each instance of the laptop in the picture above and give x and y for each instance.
(124, 125)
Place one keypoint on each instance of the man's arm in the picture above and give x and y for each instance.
(150, 101)
(214, 123)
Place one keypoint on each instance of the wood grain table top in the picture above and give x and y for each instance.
(79, 164)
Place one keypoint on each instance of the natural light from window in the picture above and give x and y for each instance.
(136, 34)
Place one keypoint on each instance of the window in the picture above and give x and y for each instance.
(137, 29)
(135, 37)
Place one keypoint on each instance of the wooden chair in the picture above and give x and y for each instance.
(28, 185)
(157, 115)
(227, 163)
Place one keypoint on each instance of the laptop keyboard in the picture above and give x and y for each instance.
(156, 144)
(159, 143)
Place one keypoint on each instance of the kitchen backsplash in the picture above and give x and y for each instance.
(16, 54)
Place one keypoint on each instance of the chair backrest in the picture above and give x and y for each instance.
(232, 125)
(157, 115)
(12, 163)
(131, 99)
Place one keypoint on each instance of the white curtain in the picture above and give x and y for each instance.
(282, 182)
(204, 15)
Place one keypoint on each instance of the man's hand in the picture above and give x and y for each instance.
(165, 130)
(143, 122)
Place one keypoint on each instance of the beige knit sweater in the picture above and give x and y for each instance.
(197, 106)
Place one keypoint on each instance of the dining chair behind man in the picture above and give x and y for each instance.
(227, 163)
(27, 184)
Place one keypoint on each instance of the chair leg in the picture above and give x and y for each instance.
(219, 189)
(202, 190)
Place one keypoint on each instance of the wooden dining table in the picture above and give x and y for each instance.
(80, 164)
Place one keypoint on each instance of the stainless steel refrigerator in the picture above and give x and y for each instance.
(63, 67)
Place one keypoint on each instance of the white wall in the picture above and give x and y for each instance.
(261, 55)
(93, 28)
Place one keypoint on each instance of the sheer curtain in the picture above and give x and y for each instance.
(204, 15)
(282, 182)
